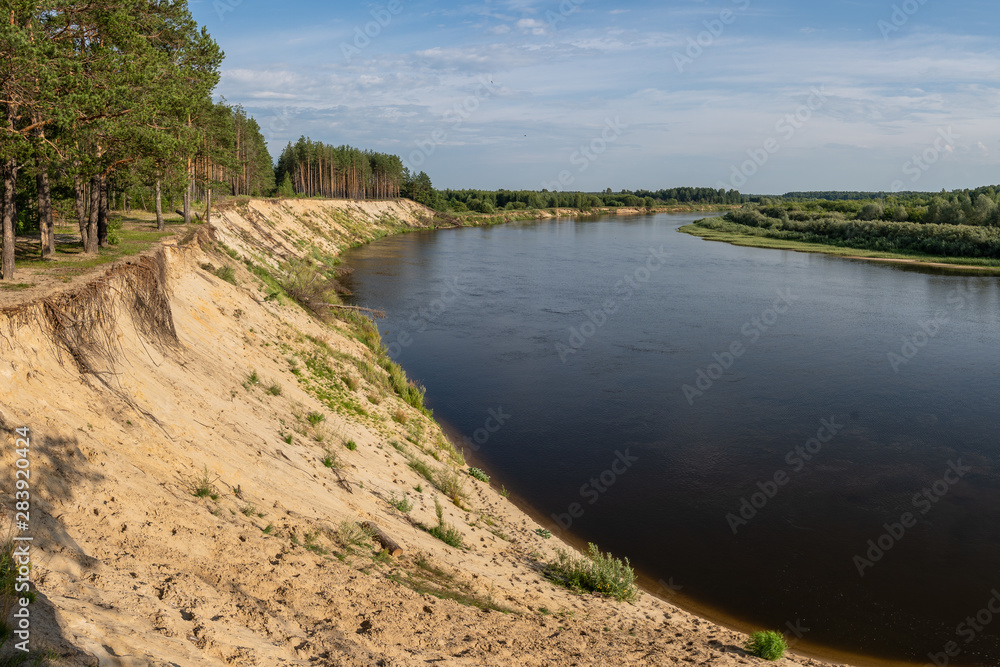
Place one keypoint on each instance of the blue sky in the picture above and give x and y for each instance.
(764, 95)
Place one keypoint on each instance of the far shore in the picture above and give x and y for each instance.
(748, 240)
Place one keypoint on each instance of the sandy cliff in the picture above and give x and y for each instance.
(157, 377)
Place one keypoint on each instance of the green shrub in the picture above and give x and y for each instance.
(351, 445)
(596, 572)
(443, 531)
(331, 461)
(766, 644)
(402, 504)
(226, 273)
(479, 474)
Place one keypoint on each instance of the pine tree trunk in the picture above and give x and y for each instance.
(128, 204)
(81, 207)
(95, 205)
(159, 206)
(46, 231)
(102, 214)
(7, 208)
(208, 208)
(187, 204)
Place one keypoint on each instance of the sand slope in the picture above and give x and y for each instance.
(136, 386)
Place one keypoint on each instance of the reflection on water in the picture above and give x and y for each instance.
(779, 433)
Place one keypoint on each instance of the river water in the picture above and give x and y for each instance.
(784, 440)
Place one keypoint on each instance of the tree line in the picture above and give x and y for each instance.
(962, 223)
(313, 169)
(101, 99)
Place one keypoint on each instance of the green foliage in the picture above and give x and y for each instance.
(544, 533)
(315, 418)
(115, 230)
(766, 644)
(402, 504)
(443, 531)
(596, 572)
(479, 474)
(227, 273)
(331, 461)
(204, 486)
(351, 445)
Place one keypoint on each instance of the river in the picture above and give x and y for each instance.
(784, 440)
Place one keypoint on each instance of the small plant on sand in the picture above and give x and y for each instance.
(331, 461)
(352, 382)
(402, 504)
(504, 492)
(766, 644)
(451, 484)
(595, 572)
(248, 509)
(227, 273)
(351, 445)
(399, 415)
(274, 389)
(544, 533)
(252, 380)
(479, 474)
(204, 486)
(443, 531)
(315, 418)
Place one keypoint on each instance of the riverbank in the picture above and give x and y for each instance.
(734, 236)
(204, 449)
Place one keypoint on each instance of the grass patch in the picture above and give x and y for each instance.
(443, 531)
(204, 486)
(766, 644)
(227, 273)
(450, 483)
(595, 572)
(479, 474)
(331, 461)
(315, 418)
(423, 470)
(402, 504)
(427, 579)
(544, 533)
(274, 389)
(351, 445)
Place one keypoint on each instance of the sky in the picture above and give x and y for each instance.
(764, 96)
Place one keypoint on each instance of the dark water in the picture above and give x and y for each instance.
(838, 440)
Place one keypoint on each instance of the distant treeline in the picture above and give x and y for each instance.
(962, 223)
(313, 169)
(488, 201)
